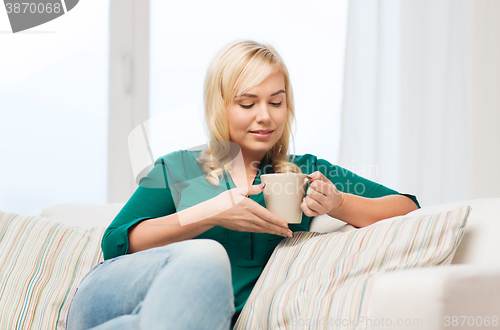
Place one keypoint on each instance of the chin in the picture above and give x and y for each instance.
(258, 146)
(263, 148)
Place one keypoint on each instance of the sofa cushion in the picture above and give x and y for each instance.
(480, 244)
(41, 263)
(319, 279)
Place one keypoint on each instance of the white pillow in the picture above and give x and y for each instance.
(480, 244)
(41, 264)
(320, 278)
(327, 224)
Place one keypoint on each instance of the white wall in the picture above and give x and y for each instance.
(185, 35)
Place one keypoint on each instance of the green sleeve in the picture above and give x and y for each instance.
(152, 199)
(349, 182)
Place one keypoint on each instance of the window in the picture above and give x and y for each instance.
(53, 111)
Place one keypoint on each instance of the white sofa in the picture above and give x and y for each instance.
(441, 297)
(461, 295)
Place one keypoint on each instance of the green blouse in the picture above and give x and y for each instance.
(177, 182)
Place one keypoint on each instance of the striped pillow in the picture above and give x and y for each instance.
(41, 263)
(324, 279)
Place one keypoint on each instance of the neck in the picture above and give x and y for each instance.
(245, 168)
(253, 161)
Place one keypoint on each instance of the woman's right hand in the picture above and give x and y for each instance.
(243, 214)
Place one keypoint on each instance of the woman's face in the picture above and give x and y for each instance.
(261, 108)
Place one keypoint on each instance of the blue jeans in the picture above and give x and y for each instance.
(183, 285)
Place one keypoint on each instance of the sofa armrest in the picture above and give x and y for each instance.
(434, 295)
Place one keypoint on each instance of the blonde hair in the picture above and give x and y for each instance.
(237, 68)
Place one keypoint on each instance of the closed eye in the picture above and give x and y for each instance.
(251, 105)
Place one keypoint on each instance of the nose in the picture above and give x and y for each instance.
(263, 113)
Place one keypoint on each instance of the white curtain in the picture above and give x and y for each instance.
(421, 103)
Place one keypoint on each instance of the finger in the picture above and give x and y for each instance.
(255, 224)
(319, 187)
(268, 227)
(252, 190)
(268, 216)
(318, 197)
(318, 176)
(307, 212)
(254, 227)
(310, 207)
(236, 195)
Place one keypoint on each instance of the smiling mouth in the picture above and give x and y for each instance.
(262, 132)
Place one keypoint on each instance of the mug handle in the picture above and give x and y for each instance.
(306, 181)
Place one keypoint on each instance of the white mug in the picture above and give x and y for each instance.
(283, 194)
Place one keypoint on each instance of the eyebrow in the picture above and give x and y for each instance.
(253, 95)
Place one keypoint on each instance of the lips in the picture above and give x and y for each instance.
(262, 131)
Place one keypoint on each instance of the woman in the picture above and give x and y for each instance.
(187, 248)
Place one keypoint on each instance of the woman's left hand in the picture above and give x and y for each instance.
(322, 196)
